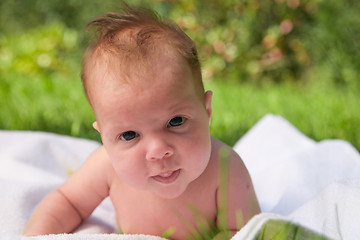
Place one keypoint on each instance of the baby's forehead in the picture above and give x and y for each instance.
(123, 69)
(135, 87)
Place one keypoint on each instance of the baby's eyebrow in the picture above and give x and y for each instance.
(182, 105)
(119, 129)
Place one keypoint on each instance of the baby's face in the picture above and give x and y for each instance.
(156, 128)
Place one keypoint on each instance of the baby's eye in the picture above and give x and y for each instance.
(176, 121)
(129, 135)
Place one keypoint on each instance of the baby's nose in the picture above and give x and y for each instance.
(159, 149)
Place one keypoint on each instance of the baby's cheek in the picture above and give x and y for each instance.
(119, 164)
(130, 169)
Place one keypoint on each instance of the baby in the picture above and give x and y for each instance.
(158, 163)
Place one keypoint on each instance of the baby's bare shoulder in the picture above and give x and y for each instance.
(240, 191)
(226, 161)
(98, 155)
(223, 153)
(99, 162)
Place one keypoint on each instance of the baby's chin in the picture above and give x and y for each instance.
(171, 191)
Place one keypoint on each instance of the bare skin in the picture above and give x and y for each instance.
(158, 164)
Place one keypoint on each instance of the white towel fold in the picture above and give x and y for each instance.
(301, 179)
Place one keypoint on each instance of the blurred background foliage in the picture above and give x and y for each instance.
(304, 55)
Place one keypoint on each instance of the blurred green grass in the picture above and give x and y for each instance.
(39, 104)
(327, 114)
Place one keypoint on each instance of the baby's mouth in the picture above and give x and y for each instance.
(167, 177)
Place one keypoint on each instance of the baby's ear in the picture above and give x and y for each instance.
(96, 126)
(207, 100)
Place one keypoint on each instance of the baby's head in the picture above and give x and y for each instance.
(143, 81)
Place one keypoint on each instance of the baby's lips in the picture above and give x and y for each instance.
(167, 177)
(166, 174)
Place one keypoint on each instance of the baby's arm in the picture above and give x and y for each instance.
(237, 201)
(64, 209)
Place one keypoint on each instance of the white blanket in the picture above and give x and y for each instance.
(313, 184)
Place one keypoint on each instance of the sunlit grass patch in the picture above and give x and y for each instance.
(320, 112)
(283, 230)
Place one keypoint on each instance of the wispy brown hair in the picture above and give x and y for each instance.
(130, 37)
